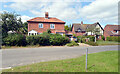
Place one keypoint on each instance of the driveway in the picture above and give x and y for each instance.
(23, 56)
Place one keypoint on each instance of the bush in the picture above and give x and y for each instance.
(58, 40)
(103, 38)
(42, 39)
(39, 39)
(47, 39)
(113, 38)
(15, 40)
(92, 38)
(73, 43)
(92, 43)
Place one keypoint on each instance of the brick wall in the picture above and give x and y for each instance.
(35, 26)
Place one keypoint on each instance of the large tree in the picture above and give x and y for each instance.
(10, 22)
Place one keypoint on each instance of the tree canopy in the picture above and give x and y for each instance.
(12, 22)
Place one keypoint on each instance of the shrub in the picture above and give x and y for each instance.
(39, 39)
(92, 38)
(48, 31)
(58, 40)
(113, 38)
(73, 43)
(92, 43)
(103, 38)
(15, 40)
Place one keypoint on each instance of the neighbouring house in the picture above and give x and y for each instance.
(111, 30)
(86, 29)
(39, 25)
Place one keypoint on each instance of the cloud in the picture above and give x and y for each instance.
(25, 18)
(103, 11)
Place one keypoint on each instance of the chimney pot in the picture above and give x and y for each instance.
(81, 22)
(46, 15)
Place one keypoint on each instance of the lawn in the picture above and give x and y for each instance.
(97, 62)
(107, 43)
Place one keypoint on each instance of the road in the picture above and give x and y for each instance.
(23, 56)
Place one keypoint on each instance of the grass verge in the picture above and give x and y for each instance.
(97, 62)
(107, 43)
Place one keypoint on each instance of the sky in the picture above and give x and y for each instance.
(71, 11)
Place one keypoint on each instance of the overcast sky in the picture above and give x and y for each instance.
(70, 11)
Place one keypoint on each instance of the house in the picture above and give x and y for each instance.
(111, 30)
(87, 29)
(39, 25)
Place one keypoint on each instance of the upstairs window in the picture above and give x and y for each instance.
(40, 25)
(116, 31)
(52, 26)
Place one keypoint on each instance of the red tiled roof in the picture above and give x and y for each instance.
(113, 27)
(43, 19)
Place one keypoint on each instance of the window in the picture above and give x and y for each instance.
(52, 26)
(116, 31)
(40, 25)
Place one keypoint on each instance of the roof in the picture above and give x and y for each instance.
(78, 26)
(43, 19)
(83, 27)
(112, 28)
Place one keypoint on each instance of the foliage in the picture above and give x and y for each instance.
(15, 40)
(48, 31)
(68, 28)
(73, 43)
(24, 28)
(103, 38)
(10, 22)
(92, 43)
(39, 39)
(74, 35)
(92, 38)
(113, 38)
(82, 39)
(58, 40)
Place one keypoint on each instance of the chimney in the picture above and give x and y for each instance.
(46, 15)
(81, 22)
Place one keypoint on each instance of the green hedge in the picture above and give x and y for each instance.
(42, 39)
(82, 39)
(15, 40)
(113, 38)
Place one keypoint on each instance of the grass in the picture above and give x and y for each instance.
(97, 62)
(107, 43)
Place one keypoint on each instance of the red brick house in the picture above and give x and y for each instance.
(39, 25)
(111, 30)
(81, 29)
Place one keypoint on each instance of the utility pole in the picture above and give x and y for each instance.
(86, 58)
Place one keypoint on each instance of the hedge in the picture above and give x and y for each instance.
(42, 40)
(15, 40)
(113, 38)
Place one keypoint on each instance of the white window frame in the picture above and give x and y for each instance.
(51, 26)
(39, 25)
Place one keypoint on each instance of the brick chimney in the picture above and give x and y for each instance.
(46, 15)
(81, 22)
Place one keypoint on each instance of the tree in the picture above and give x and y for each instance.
(68, 28)
(24, 28)
(10, 22)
